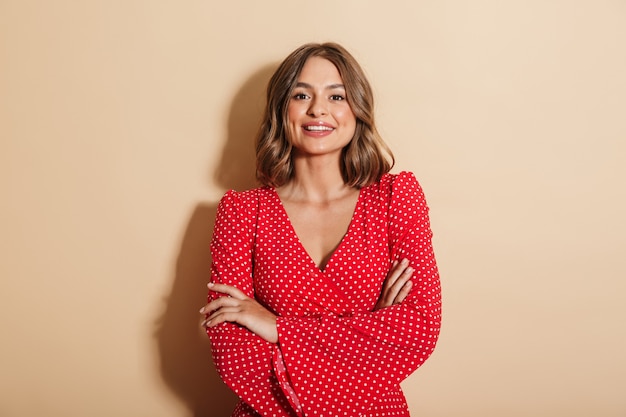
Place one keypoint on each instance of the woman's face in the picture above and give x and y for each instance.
(320, 119)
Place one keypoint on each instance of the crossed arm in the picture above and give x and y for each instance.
(249, 313)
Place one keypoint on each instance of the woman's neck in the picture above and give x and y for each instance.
(316, 180)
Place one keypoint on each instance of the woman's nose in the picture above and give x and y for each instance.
(317, 107)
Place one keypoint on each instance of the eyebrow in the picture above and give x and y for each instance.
(328, 87)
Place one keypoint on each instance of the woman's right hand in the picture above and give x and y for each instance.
(241, 309)
(397, 285)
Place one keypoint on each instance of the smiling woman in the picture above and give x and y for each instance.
(324, 291)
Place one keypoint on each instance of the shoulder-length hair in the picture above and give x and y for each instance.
(363, 161)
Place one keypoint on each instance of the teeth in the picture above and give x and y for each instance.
(318, 128)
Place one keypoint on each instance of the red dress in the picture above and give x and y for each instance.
(335, 356)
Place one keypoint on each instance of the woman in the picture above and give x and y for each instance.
(324, 293)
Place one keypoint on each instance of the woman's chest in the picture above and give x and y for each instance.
(287, 279)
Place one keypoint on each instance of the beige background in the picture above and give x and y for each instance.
(123, 122)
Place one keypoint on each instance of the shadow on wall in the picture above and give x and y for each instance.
(184, 349)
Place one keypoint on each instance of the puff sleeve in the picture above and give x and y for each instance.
(244, 361)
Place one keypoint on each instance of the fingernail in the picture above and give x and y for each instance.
(405, 261)
(210, 284)
(202, 310)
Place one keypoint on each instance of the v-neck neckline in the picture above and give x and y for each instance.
(339, 245)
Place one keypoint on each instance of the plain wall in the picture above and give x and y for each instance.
(123, 122)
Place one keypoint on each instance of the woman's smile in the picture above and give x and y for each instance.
(317, 129)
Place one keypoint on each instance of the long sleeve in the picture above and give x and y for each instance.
(356, 356)
(243, 360)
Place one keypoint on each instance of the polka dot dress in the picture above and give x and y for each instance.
(335, 356)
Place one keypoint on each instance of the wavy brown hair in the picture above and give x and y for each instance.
(363, 161)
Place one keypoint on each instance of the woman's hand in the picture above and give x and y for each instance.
(397, 285)
(241, 309)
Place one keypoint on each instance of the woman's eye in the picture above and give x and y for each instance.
(300, 96)
(337, 97)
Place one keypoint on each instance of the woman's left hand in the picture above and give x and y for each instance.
(397, 285)
(241, 309)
